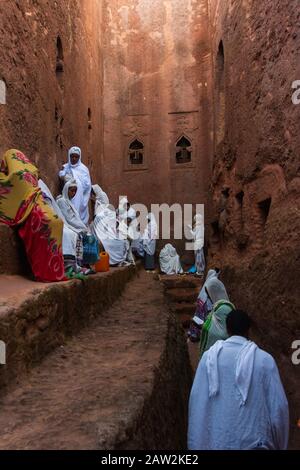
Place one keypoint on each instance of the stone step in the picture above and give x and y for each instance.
(184, 308)
(181, 281)
(113, 386)
(12, 253)
(36, 318)
(180, 295)
(185, 320)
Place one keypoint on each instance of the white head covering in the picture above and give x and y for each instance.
(71, 183)
(131, 213)
(169, 260)
(50, 199)
(198, 219)
(104, 228)
(198, 232)
(169, 251)
(101, 198)
(123, 212)
(150, 235)
(243, 371)
(203, 295)
(76, 151)
(211, 274)
(82, 176)
(68, 209)
(151, 232)
(216, 290)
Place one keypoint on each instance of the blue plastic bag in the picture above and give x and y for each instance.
(90, 249)
(192, 270)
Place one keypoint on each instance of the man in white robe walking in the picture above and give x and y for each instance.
(237, 400)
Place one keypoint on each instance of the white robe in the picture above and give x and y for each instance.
(104, 228)
(236, 405)
(169, 260)
(101, 197)
(69, 240)
(82, 176)
(150, 235)
(71, 215)
(204, 297)
(198, 233)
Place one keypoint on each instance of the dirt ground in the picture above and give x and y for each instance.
(87, 393)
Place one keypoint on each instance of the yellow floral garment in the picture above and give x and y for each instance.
(22, 205)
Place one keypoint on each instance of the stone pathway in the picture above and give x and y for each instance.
(84, 394)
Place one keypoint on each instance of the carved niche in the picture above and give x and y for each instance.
(183, 129)
(135, 130)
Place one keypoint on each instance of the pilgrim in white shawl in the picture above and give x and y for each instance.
(77, 170)
(69, 211)
(149, 242)
(169, 260)
(73, 220)
(127, 227)
(214, 328)
(204, 307)
(104, 228)
(137, 244)
(70, 243)
(198, 236)
(237, 400)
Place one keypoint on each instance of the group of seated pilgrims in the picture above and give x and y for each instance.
(60, 242)
(237, 394)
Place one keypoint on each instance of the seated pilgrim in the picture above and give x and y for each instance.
(169, 260)
(86, 252)
(104, 227)
(70, 241)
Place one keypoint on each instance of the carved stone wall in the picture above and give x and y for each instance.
(157, 89)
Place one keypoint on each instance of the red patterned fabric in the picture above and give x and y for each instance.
(44, 255)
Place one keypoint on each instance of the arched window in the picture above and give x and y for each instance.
(136, 152)
(59, 56)
(183, 150)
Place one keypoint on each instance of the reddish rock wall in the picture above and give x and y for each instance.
(46, 112)
(157, 89)
(121, 383)
(255, 186)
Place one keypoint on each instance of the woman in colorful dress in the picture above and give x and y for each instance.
(204, 307)
(22, 206)
(214, 328)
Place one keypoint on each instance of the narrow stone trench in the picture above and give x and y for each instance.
(121, 383)
(172, 103)
(181, 292)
